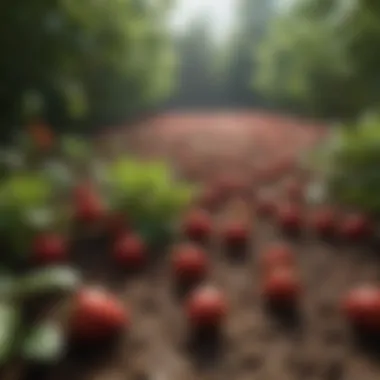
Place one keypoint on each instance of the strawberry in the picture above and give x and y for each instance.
(206, 307)
(130, 251)
(189, 263)
(197, 225)
(277, 255)
(361, 307)
(281, 286)
(96, 315)
(49, 248)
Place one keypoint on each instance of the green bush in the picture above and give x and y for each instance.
(348, 164)
(148, 194)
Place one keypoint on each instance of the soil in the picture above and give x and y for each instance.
(254, 343)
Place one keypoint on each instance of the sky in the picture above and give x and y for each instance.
(220, 13)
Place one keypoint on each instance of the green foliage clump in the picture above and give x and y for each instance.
(148, 194)
(26, 207)
(349, 164)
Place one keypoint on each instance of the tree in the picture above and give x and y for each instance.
(319, 58)
(87, 61)
(198, 75)
(252, 22)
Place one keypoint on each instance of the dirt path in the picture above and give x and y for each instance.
(204, 145)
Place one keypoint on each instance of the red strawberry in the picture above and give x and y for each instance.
(281, 286)
(197, 225)
(361, 306)
(189, 262)
(96, 315)
(236, 233)
(355, 227)
(277, 256)
(265, 207)
(324, 221)
(88, 206)
(89, 210)
(290, 217)
(130, 251)
(49, 248)
(206, 307)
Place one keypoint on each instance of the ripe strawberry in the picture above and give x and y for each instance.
(290, 217)
(355, 227)
(281, 286)
(277, 256)
(49, 248)
(236, 234)
(89, 210)
(130, 251)
(361, 307)
(197, 225)
(189, 263)
(206, 307)
(324, 221)
(96, 315)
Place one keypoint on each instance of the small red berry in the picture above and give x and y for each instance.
(89, 210)
(236, 233)
(281, 286)
(289, 217)
(96, 315)
(189, 262)
(130, 251)
(361, 306)
(324, 221)
(49, 249)
(355, 227)
(197, 225)
(277, 255)
(206, 307)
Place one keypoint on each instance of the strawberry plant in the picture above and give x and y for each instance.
(42, 342)
(29, 214)
(27, 209)
(149, 196)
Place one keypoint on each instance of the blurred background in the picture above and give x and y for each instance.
(81, 65)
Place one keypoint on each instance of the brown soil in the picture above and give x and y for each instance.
(255, 345)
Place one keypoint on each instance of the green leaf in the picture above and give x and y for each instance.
(44, 344)
(7, 283)
(47, 281)
(10, 318)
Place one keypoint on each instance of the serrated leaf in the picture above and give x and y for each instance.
(10, 317)
(44, 344)
(46, 281)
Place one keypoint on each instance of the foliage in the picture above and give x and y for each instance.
(39, 343)
(348, 163)
(26, 207)
(147, 193)
(318, 57)
(76, 62)
(199, 77)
